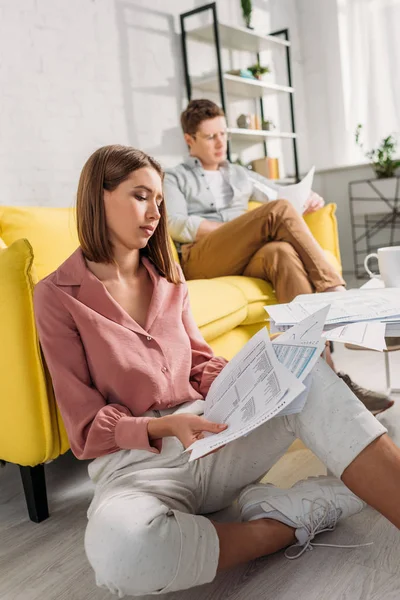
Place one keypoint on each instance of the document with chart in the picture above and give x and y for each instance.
(265, 379)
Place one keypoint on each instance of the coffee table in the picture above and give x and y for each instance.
(377, 283)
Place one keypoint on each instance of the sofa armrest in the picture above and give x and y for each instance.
(323, 226)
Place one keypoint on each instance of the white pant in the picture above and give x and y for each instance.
(146, 534)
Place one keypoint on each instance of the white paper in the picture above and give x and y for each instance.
(298, 403)
(262, 381)
(299, 349)
(365, 334)
(271, 193)
(373, 283)
(298, 193)
(345, 307)
(277, 328)
(242, 367)
(252, 388)
(392, 329)
(300, 346)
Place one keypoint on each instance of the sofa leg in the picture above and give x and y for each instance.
(34, 483)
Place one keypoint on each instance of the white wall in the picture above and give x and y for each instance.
(333, 186)
(77, 74)
(61, 95)
(322, 79)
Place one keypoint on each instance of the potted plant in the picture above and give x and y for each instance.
(247, 9)
(382, 158)
(268, 125)
(258, 70)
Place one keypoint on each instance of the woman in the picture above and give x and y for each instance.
(130, 371)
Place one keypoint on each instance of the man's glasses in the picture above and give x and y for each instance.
(224, 135)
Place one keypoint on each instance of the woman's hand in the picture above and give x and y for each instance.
(190, 428)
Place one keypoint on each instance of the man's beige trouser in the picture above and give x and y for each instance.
(272, 243)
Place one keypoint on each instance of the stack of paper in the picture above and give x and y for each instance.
(361, 317)
(265, 379)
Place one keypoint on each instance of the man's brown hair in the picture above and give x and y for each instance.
(105, 170)
(198, 111)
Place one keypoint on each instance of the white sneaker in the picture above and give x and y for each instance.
(310, 507)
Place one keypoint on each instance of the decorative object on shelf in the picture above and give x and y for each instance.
(267, 125)
(255, 122)
(267, 167)
(258, 70)
(247, 10)
(382, 157)
(260, 166)
(273, 168)
(244, 121)
(241, 73)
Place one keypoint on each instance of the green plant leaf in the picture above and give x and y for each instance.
(247, 9)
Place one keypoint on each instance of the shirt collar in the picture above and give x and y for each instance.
(75, 272)
(192, 162)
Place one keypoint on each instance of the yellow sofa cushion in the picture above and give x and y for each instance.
(323, 225)
(29, 431)
(257, 292)
(174, 250)
(50, 231)
(217, 306)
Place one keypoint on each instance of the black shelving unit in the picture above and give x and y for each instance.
(283, 33)
(375, 219)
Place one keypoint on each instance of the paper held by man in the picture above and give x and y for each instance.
(297, 194)
(265, 379)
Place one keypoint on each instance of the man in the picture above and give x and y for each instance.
(207, 201)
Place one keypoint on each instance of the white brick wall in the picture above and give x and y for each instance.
(60, 96)
(78, 74)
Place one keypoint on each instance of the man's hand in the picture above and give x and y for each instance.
(314, 202)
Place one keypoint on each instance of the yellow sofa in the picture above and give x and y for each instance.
(228, 311)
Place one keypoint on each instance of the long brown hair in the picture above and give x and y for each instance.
(105, 170)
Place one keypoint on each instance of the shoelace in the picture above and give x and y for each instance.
(326, 522)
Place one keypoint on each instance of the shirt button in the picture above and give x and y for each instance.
(164, 369)
(149, 338)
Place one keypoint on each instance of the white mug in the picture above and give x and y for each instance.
(389, 265)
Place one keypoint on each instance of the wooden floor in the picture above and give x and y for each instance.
(47, 561)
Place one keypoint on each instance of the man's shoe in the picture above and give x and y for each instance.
(392, 343)
(374, 401)
(310, 507)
